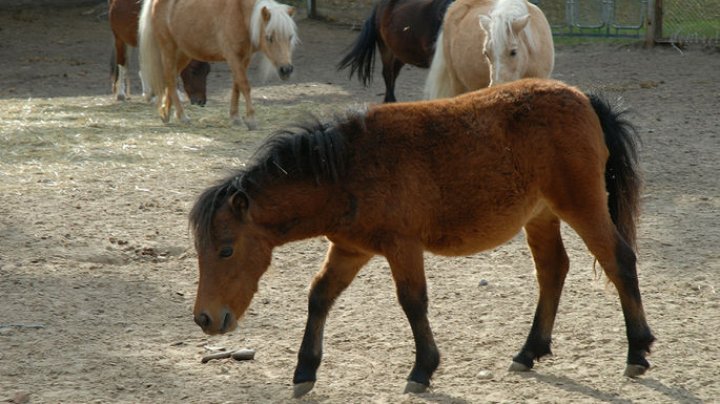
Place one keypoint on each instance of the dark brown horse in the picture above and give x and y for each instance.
(404, 32)
(453, 177)
(123, 16)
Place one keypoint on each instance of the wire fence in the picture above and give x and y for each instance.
(676, 21)
(691, 21)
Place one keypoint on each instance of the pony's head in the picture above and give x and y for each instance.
(194, 78)
(233, 253)
(237, 222)
(274, 34)
(506, 44)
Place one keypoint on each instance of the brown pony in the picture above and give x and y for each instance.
(123, 17)
(453, 177)
(489, 42)
(173, 32)
(404, 32)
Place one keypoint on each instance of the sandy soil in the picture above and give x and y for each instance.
(98, 273)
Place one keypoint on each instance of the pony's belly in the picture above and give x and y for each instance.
(470, 242)
(484, 232)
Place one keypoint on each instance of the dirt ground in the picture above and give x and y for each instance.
(98, 272)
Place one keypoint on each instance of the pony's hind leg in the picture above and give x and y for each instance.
(171, 95)
(551, 266)
(618, 260)
(407, 266)
(239, 66)
(340, 268)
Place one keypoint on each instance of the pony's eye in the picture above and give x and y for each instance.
(226, 252)
(269, 39)
(513, 52)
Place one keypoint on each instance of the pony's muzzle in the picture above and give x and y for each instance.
(285, 71)
(226, 322)
(198, 101)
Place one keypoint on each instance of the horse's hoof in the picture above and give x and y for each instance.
(120, 97)
(415, 388)
(185, 119)
(518, 367)
(251, 124)
(301, 389)
(634, 370)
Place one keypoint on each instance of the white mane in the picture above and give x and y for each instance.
(280, 21)
(502, 16)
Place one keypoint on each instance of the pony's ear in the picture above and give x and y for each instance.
(239, 202)
(291, 11)
(485, 22)
(266, 14)
(519, 24)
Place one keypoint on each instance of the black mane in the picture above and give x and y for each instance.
(311, 150)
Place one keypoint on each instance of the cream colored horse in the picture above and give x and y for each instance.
(488, 42)
(172, 33)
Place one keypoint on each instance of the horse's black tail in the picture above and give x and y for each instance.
(361, 58)
(623, 180)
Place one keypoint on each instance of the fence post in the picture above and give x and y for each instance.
(653, 29)
(312, 8)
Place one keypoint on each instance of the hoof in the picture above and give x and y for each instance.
(251, 124)
(518, 367)
(120, 97)
(635, 370)
(301, 389)
(415, 387)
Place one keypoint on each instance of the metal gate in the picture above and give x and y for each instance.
(609, 18)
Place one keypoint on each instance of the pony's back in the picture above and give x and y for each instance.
(484, 146)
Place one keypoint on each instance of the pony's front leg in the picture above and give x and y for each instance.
(390, 70)
(147, 92)
(121, 82)
(407, 266)
(340, 268)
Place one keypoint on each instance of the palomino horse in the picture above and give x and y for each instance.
(453, 177)
(404, 32)
(488, 42)
(173, 32)
(123, 17)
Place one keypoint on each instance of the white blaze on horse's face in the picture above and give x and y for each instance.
(506, 52)
(279, 38)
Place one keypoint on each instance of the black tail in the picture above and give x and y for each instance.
(623, 180)
(361, 58)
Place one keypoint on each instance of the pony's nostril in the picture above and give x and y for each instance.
(203, 320)
(286, 70)
(227, 319)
